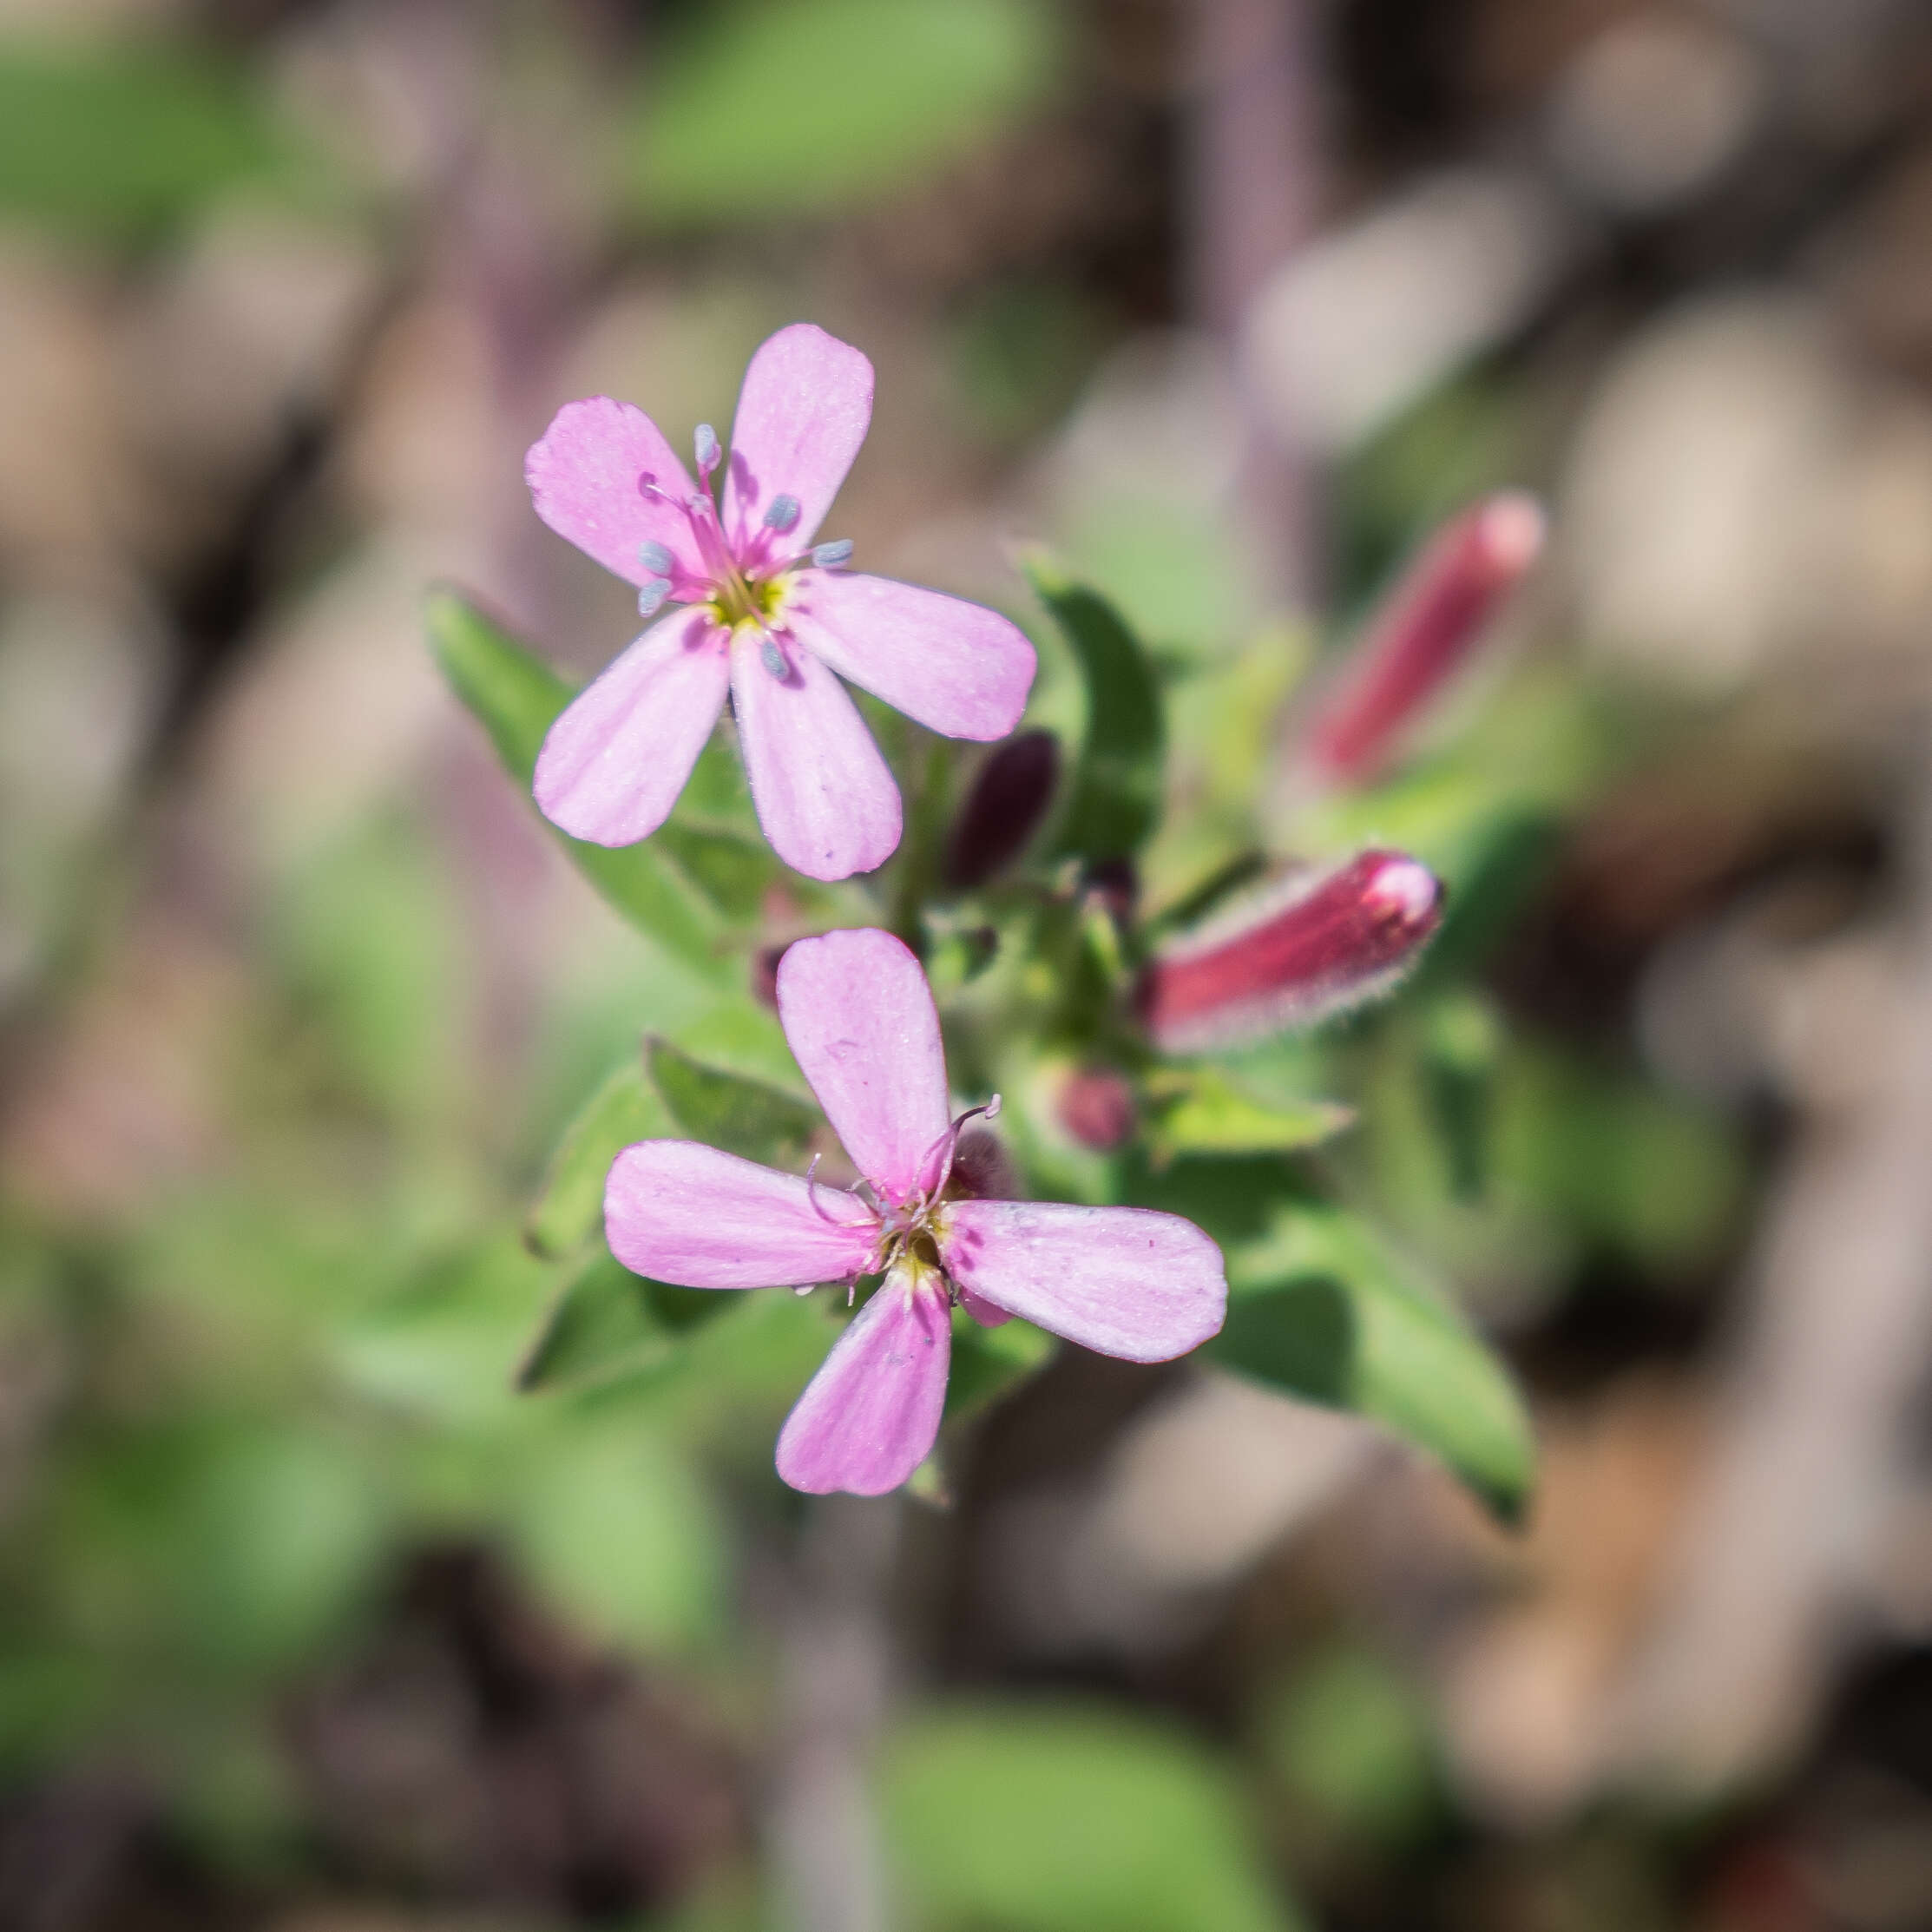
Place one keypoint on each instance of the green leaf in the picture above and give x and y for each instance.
(1066, 1820)
(1233, 1198)
(989, 1363)
(731, 871)
(828, 103)
(605, 1324)
(1115, 799)
(624, 1109)
(118, 142)
(1324, 1308)
(726, 1110)
(1203, 1111)
(515, 696)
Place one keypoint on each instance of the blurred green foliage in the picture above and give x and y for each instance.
(117, 143)
(1066, 1820)
(761, 110)
(1351, 1739)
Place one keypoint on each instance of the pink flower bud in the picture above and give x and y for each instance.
(1096, 1107)
(1420, 636)
(1311, 946)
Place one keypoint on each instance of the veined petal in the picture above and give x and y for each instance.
(869, 1417)
(859, 1018)
(802, 415)
(957, 669)
(585, 475)
(1124, 1281)
(825, 796)
(689, 1214)
(617, 757)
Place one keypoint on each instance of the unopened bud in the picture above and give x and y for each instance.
(1095, 1106)
(1313, 945)
(982, 1169)
(1004, 809)
(1419, 635)
(765, 975)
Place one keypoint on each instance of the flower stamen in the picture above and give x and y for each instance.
(991, 1110)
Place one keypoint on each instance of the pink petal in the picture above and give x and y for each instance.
(617, 757)
(584, 476)
(957, 669)
(824, 794)
(802, 415)
(858, 1015)
(983, 1312)
(1125, 1281)
(689, 1214)
(869, 1417)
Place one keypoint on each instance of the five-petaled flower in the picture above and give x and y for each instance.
(755, 607)
(1125, 1281)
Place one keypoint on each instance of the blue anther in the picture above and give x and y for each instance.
(774, 659)
(707, 440)
(650, 599)
(827, 555)
(657, 559)
(781, 513)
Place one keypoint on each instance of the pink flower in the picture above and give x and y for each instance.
(859, 1018)
(1311, 945)
(755, 607)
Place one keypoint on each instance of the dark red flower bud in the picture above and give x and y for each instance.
(1419, 636)
(765, 975)
(1096, 1107)
(982, 1169)
(1311, 945)
(1004, 809)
